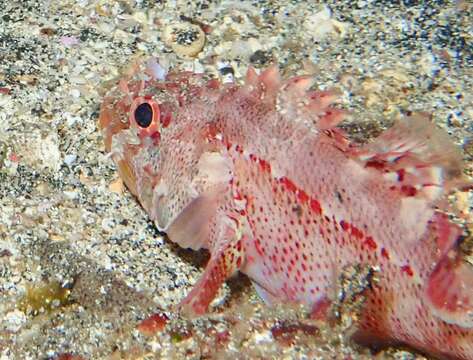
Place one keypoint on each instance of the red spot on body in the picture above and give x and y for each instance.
(345, 226)
(356, 232)
(408, 190)
(408, 270)
(302, 196)
(315, 206)
(288, 184)
(371, 243)
(377, 164)
(265, 165)
(258, 248)
(384, 253)
(400, 174)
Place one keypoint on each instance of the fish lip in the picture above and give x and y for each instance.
(110, 120)
(128, 176)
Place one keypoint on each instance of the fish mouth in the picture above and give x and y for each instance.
(128, 176)
(110, 124)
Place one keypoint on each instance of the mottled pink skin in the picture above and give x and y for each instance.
(261, 177)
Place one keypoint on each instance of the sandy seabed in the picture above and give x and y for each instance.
(80, 264)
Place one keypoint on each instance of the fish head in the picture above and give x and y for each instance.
(157, 133)
(131, 121)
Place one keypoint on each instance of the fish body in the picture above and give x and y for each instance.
(261, 176)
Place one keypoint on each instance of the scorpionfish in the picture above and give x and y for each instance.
(261, 176)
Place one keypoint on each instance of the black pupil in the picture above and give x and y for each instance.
(144, 115)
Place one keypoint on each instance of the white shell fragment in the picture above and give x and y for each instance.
(185, 39)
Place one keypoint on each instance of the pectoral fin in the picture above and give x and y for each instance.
(190, 229)
(223, 263)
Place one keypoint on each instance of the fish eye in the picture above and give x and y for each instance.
(144, 115)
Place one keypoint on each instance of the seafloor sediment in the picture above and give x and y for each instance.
(80, 265)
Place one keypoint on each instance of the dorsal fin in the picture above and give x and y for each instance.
(294, 99)
(297, 101)
(419, 159)
(266, 85)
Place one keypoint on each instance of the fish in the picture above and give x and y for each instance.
(261, 174)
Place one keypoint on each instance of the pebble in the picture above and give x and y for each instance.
(70, 159)
(185, 39)
(14, 320)
(321, 24)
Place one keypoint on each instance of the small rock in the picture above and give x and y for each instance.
(468, 147)
(185, 39)
(320, 25)
(70, 159)
(285, 332)
(14, 320)
(260, 58)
